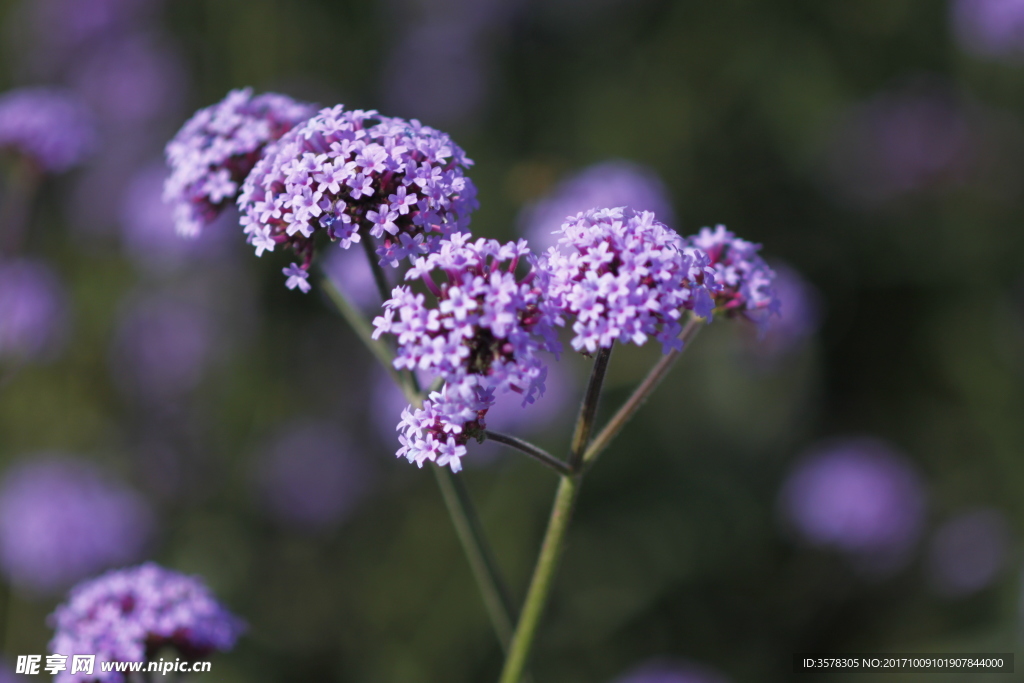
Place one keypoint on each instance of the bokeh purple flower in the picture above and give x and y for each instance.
(858, 496)
(148, 232)
(625, 277)
(131, 79)
(350, 173)
(128, 615)
(47, 126)
(901, 142)
(742, 280)
(62, 519)
(484, 337)
(33, 310)
(989, 28)
(217, 148)
(967, 552)
(162, 348)
(799, 313)
(670, 671)
(610, 183)
(311, 477)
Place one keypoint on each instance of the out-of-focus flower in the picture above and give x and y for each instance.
(858, 496)
(162, 348)
(901, 142)
(128, 615)
(217, 148)
(484, 338)
(742, 280)
(311, 478)
(625, 278)
(46, 125)
(989, 28)
(967, 552)
(610, 183)
(133, 79)
(668, 671)
(440, 63)
(148, 231)
(354, 172)
(799, 313)
(61, 520)
(33, 310)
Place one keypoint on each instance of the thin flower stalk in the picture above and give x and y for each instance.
(538, 454)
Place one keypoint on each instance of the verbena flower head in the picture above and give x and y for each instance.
(483, 337)
(33, 310)
(743, 281)
(625, 277)
(48, 126)
(610, 183)
(968, 552)
(858, 496)
(129, 614)
(351, 173)
(217, 148)
(61, 519)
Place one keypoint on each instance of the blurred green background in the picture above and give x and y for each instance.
(677, 549)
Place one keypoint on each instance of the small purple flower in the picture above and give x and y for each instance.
(610, 183)
(33, 310)
(901, 142)
(48, 126)
(162, 348)
(669, 671)
(311, 478)
(968, 552)
(742, 280)
(989, 28)
(858, 496)
(61, 519)
(625, 278)
(128, 615)
(484, 337)
(297, 277)
(352, 173)
(217, 148)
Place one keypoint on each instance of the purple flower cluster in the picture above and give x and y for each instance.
(625, 277)
(61, 520)
(610, 183)
(483, 337)
(33, 309)
(218, 147)
(129, 614)
(47, 126)
(352, 172)
(742, 280)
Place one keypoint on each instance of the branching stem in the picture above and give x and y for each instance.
(529, 449)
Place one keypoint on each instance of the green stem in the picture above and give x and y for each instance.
(378, 272)
(640, 394)
(529, 449)
(362, 328)
(481, 560)
(588, 408)
(540, 584)
(460, 507)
